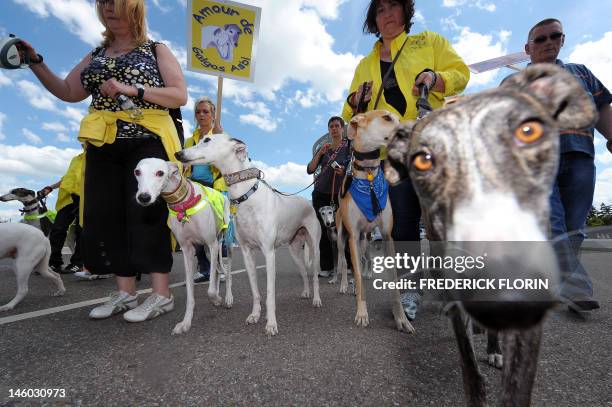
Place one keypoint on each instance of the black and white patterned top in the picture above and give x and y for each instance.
(137, 66)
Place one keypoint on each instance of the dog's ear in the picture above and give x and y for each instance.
(240, 149)
(559, 92)
(396, 164)
(173, 169)
(354, 124)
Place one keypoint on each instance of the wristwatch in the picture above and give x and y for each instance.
(141, 90)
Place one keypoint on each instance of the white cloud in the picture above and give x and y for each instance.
(40, 98)
(475, 47)
(483, 5)
(307, 99)
(597, 57)
(2, 119)
(288, 175)
(78, 15)
(603, 188)
(64, 138)
(47, 160)
(260, 115)
(419, 18)
(162, 7)
(31, 137)
(54, 126)
(325, 8)
(37, 96)
(604, 157)
(264, 123)
(4, 80)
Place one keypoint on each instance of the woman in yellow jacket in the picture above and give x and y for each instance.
(207, 175)
(424, 58)
(67, 208)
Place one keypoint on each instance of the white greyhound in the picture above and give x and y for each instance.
(223, 39)
(194, 223)
(265, 220)
(31, 251)
(335, 232)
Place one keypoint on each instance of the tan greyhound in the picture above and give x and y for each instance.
(369, 132)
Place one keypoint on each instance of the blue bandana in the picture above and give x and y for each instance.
(360, 191)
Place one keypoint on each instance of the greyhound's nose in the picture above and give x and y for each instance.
(178, 155)
(144, 198)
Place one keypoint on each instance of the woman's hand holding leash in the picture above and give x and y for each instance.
(112, 87)
(359, 100)
(28, 53)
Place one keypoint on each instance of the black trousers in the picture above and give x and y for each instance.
(326, 247)
(64, 218)
(119, 235)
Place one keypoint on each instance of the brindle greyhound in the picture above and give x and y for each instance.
(483, 169)
(34, 210)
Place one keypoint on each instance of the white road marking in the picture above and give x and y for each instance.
(55, 310)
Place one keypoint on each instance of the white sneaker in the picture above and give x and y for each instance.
(325, 273)
(152, 307)
(118, 302)
(86, 275)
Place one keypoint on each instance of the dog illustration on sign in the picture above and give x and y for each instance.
(224, 39)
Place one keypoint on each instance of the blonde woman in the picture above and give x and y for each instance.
(207, 175)
(121, 237)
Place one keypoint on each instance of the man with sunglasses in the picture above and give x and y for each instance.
(572, 194)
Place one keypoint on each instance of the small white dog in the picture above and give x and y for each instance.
(31, 251)
(264, 219)
(223, 39)
(192, 221)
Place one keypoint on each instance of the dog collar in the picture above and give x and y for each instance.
(36, 216)
(243, 175)
(179, 194)
(189, 207)
(364, 168)
(246, 196)
(368, 155)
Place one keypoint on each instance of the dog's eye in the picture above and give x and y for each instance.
(159, 173)
(423, 162)
(387, 118)
(206, 140)
(137, 173)
(529, 132)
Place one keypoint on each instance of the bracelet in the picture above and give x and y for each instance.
(38, 61)
(348, 100)
(435, 75)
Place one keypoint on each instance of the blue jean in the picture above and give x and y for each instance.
(570, 202)
(406, 219)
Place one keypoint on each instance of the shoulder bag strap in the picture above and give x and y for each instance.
(382, 86)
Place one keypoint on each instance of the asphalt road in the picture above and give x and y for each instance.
(318, 358)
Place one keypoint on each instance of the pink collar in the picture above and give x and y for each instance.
(182, 207)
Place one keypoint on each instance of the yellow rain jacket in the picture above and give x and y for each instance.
(219, 181)
(71, 182)
(425, 50)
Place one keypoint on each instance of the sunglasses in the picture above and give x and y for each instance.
(542, 38)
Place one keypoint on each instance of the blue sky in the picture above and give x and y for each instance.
(307, 52)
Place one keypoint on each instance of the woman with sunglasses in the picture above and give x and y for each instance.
(424, 58)
(121, 237)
